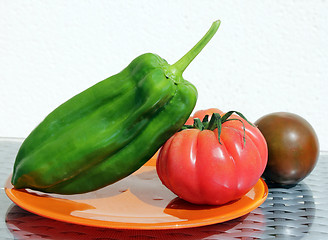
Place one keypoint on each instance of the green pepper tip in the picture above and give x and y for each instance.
(217, 23)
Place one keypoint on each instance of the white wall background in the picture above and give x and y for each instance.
(267, 55)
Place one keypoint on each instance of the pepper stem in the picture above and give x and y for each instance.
(183, 63)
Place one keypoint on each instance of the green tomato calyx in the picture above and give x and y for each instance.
(216, 121)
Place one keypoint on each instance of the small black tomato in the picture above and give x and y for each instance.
(293, 147)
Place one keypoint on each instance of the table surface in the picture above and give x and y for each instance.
(299, 212)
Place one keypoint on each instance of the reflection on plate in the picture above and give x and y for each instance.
(139, 201)
(25, 225)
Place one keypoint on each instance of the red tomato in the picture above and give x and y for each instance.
(199, 169)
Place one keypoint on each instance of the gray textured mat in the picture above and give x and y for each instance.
(300, 212)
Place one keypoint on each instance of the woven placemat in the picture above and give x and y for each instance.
(299, 212)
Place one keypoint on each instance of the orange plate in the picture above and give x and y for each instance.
(139, 201)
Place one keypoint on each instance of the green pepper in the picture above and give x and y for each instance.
(111, 129)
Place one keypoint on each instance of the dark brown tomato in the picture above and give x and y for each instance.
(293, 147)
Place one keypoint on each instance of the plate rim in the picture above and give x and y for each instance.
(132, 225)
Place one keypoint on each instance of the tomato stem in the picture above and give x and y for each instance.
(198, 124)
(216, 121)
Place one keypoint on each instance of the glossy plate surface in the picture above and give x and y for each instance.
(139, 201)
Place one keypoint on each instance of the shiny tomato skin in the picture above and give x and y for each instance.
(293, 147)
(197, 168)
(253, 132)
